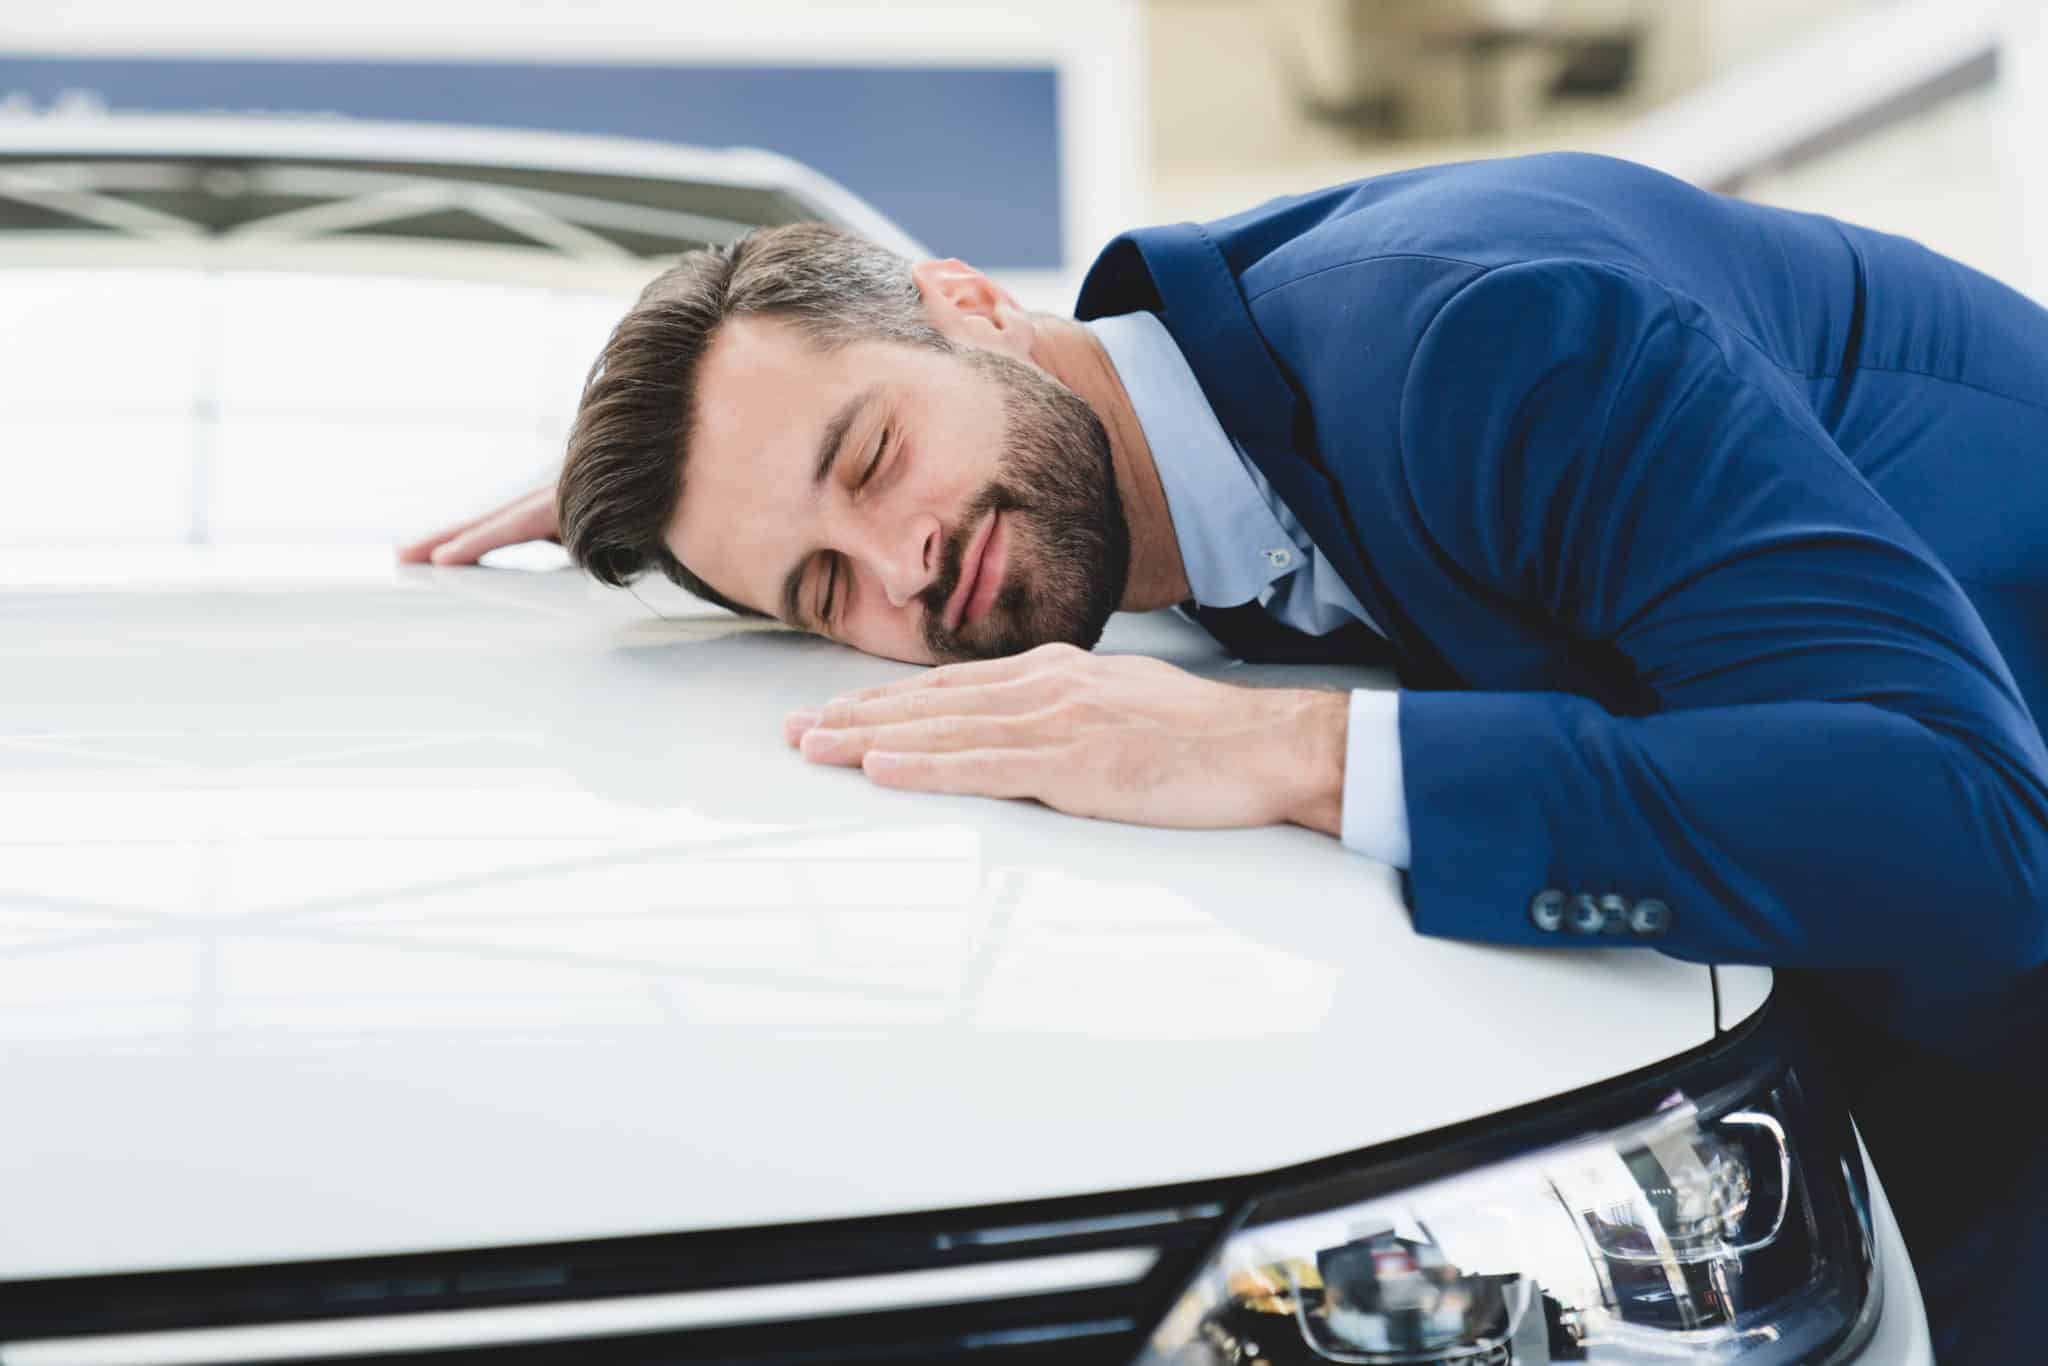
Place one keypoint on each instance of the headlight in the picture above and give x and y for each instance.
(1730, 1226)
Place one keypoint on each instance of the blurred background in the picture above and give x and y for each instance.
(241, 305)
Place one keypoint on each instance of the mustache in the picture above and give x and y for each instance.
(953, 559)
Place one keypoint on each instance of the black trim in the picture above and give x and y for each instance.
(361, 1287)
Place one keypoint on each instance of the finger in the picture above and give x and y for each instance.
(417, 551)
(944, 733)
(972, 674)
(465, 549)
(797, 724)
(480, 540)
(973, 772)
(1007, 697)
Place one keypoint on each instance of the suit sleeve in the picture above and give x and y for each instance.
(1835, 768)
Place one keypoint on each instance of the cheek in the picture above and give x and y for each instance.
(873, 627)
(953, 460)
(887, 634)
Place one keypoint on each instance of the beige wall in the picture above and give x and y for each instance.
(1228, 79)
(1229, 128)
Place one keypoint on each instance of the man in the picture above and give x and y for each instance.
(1708, 540)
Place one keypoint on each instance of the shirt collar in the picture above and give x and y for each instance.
(1228, 535)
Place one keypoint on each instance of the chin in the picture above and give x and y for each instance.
(1015, 638)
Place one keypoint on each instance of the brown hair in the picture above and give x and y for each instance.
(623, 474)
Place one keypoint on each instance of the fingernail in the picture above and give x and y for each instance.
(797, 722)
(877, 761)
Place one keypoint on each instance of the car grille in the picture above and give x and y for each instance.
(1077, 1282)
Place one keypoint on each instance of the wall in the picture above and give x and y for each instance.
(1965, 175)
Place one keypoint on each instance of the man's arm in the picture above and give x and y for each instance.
(1842, 772)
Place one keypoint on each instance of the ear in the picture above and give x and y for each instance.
(968, 307)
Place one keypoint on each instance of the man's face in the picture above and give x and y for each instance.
(918, 504)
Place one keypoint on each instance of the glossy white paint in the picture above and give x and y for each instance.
(1902, 1337)
(1743, 990)
(350, 909)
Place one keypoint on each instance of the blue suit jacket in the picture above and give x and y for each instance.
(1713, 540)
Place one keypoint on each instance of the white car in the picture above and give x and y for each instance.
(410, 964)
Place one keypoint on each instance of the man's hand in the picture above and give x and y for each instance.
(529, 517)
(1121, 737)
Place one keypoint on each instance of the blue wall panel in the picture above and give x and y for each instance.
(966, 159)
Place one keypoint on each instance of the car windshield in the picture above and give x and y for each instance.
(210, 342)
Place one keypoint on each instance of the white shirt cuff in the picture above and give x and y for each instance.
(1375, 810)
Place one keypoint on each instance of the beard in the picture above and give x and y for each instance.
(1069, 550)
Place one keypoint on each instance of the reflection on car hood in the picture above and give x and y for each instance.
(359, 909)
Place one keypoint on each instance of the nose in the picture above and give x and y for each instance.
(906, 559)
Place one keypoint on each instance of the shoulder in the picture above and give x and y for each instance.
(1399, 237)
(1555, 306)
(1478, 215)
(1567, 331)
(1422, 349)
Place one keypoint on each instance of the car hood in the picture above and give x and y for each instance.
(353, 909)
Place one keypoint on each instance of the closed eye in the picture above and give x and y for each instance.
(881, 450)
(828, 599)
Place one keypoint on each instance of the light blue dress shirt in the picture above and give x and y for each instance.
(1239, 542)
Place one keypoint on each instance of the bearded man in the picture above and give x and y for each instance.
(1710, 542)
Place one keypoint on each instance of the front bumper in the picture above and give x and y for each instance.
(1902, 1337)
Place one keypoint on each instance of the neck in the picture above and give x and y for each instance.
(1069, 352)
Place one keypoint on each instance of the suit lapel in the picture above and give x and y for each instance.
(1180, 272)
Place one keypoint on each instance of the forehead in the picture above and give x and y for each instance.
(761, 387)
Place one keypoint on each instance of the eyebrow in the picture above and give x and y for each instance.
(830, 442)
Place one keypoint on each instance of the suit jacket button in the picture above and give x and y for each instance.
(1584, 915)
(1546, 910)
(1650, 918)
(1615, 909)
